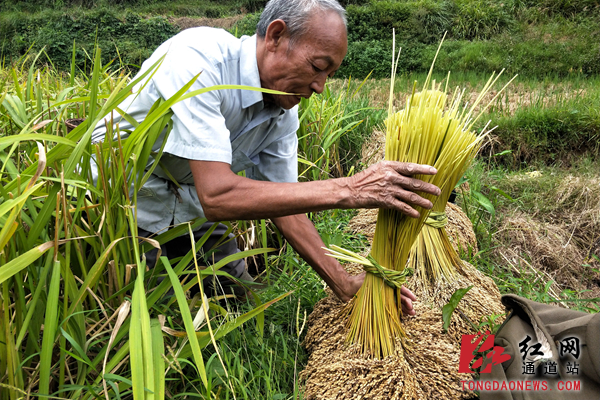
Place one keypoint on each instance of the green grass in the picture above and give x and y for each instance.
(126, 38)
(333, 127)
(483, 36)
(191, 8)
(557, 134)
(94, 249)
(61, 236)
(267, 367)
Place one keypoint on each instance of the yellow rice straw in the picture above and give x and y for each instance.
(435, 130)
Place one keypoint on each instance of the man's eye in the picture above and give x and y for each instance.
(317, 69)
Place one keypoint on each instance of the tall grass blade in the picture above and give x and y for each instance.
(50, 328)
(158, 350)
(187, 321)
(18, 264)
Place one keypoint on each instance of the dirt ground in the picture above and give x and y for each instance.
(192, 22)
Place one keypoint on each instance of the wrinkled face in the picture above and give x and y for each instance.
(303, 67)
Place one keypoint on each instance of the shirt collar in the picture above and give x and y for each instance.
(249, 71)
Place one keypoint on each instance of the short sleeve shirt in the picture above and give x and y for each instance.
(231, 126)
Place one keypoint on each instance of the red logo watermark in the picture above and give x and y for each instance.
(473, 350)
(535, 363)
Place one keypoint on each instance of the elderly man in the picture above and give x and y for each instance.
(298, 44)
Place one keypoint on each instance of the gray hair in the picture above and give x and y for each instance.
(295, 14)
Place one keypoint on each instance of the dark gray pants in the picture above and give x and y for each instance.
(210, 254)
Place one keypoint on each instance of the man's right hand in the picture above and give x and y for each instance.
(390, 184)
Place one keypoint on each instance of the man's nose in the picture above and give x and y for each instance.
(318, 84)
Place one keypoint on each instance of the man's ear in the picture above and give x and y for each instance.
(275, 35)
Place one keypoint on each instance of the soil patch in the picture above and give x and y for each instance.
(193, 22)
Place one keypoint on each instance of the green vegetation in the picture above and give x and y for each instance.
(70, 258)
(203, 8)
(333, 128)
(551, 38)
(560, 132)
(269, 368)
(125, 38)
(539, 121)
(524, 37)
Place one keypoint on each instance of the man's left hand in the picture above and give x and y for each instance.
(355, 282)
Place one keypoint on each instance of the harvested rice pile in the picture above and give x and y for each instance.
(427, 366)
(426, 370)
(556, 243)
(428, 363)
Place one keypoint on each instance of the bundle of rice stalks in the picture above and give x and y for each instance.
(432, 129)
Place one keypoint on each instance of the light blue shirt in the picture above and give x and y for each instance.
(231, 126)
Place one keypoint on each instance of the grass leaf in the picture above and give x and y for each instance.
(449, 308)
(187, 320)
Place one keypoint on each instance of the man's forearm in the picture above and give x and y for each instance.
(227, 196)
(302, 235)
(249, 199)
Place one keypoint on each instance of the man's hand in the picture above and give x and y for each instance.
(304, 238)
(390, 184)
(355, 282)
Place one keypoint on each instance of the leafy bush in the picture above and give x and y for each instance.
(481, 19)
(376, 57)
(134, 36)
(422, 20)
(485, 37)
(246, 25)
(253, 5)
(463, 55)
(364, 57)
(551, 37)
(567, 8)
(184, 8)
